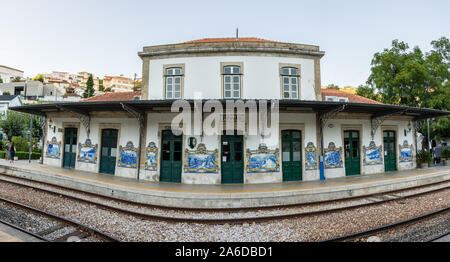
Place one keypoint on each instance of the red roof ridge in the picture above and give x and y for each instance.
(110, 96)
(352, 98)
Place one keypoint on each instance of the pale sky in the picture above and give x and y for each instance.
(104, 36)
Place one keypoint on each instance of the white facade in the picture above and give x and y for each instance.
(298, 141)
(260, 76)
(7, 73)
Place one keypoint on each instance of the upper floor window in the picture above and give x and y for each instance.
(290, 82)
(173, 82)
(232, 81)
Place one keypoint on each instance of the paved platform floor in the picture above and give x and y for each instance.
(225, 196)
(10, 234)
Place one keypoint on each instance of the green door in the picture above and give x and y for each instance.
(352, 155)
(291, 155)
(109, 151)
(171, 161)
(232, 159)
(390, 155)
(70, 147)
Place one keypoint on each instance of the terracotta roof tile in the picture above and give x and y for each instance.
(122, 96)
(351, 97)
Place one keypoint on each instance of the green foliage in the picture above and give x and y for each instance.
(424, 157)
(22, 155)
(1, 80)
(333, 86)
(39, 77)
(6, 93)
(410, 77)
(20, 143)
(446, 154)
(366, 91)
(15, 123)
(89, 92)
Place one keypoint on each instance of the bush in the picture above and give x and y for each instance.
(424, 157)
(22, 155)
(445, 154)
(20, 144)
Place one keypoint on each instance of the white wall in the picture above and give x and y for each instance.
(261, 76)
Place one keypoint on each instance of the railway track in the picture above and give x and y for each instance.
(377, 231)
(47, 226)
(234, 216)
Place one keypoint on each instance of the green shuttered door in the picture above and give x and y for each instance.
(171, 159)
(232, 159)
(292, 155)
(352, 153)
(390, 159)
(108, 151)
(70, 147)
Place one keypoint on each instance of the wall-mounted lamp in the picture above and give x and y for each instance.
(407, 131)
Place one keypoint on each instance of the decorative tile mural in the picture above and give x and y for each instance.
(87, 152)
(53, 149)
(333, 156)
(201, 160)
(151, 157)
(128, 156)
(310, 157)
(263, 160)
(406, 152)
(372, 155)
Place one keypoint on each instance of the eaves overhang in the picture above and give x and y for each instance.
(320, 107)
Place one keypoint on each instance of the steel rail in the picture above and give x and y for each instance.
(25, 231)
(63, 219)
(235, 220)
(385, 227)
(209, 210)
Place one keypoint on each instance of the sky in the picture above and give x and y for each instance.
(104, 36)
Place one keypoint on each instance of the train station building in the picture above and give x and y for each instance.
(313, 136)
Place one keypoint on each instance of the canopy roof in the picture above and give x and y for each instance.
(141, 106)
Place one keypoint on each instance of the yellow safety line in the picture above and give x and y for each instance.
(4, 237)
(221, 191)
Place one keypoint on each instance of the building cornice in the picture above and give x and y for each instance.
(231, 48)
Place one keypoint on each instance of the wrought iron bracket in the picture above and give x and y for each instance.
(136, 113)
(377, 120)
(325, 116)
(84, 116)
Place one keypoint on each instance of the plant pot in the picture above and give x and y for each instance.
(444, 162)
(429, 164)
(419, 165)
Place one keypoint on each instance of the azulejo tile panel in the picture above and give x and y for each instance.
(53, 149)
(87, 152)
(128, 156)
(372, 155)
(311, 157)
(333, 156)
(151, 157)
(406, 152)
(201, 160)
(263, 160)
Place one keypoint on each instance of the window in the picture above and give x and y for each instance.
(231, 82)
(290, 77)
(173, 82)
(336, 99)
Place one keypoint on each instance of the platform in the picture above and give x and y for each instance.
(225, 196)
(10, 234)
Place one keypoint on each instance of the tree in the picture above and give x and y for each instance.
(39, 77)
(1, 80)
(404, 76)
(333, 86)
(6, 93)
(15, 123)
(366, 91)
(89, 92)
